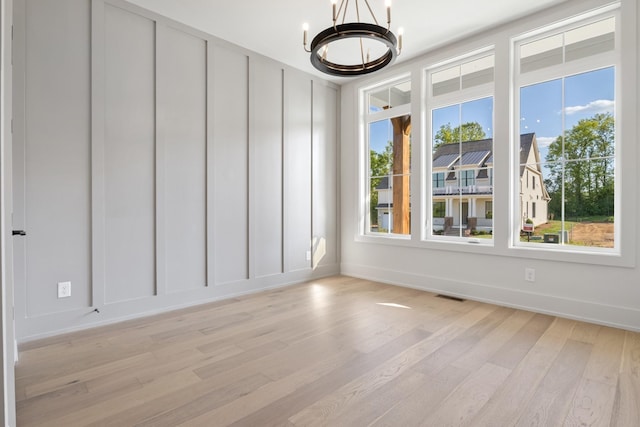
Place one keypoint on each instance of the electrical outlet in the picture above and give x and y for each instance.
(64, 289)
(530, 274)
(308, 255)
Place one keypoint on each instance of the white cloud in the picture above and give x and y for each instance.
(545, 141)
(594, 107)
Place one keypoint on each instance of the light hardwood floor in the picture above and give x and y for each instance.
(337, 352)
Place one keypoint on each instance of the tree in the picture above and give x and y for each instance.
(379, 166)
(586, 162)
(470, 131)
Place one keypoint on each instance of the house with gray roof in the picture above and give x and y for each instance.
(462, 187)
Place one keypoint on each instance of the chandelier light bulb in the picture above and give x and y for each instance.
(305, 29)
(387, 3)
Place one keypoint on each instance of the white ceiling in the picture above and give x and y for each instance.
(274, 27)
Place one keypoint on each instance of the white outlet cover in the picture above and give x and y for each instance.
(530, 274)
(64, 289)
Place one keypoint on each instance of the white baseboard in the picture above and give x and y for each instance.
(588, 311)
(36, 328)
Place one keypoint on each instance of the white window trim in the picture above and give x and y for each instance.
(595, 62)
(430, 103)
(503, 38)
(365, 118)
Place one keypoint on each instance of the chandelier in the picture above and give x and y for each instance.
(369, 47)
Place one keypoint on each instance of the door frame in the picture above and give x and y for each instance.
(7, 321)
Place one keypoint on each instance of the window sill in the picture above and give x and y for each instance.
(491, 247)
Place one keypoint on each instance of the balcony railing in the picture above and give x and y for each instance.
(468, 189)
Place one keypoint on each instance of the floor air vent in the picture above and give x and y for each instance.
(451, 298)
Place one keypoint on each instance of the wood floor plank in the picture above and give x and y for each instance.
(277, 389)
(626, 409)
(592, 404)
(511, 399)
(424, 401)
(606, 357)
(39, 410)
(458, 346)
(466, 400)
(98, 410)
(339, 351)
(594, 399)
(369, 407)
(550, 403)
(489, 345)
(205, 402)
(278, 412)
(512, 352)
(78, 377)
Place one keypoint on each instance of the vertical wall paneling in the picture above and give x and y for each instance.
(325, 186)
(297, 172)
(210, 183)
(182, 128)
(153, 161)
(55, 150)
(129, 155)
(266, 140)
(230, 165)
(160, 162)
(97, 153)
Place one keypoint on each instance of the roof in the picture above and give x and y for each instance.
(445, 160)
(475, 158)
(477, 153)
(526, 141)
(467, 146)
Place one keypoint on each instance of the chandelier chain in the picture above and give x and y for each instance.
(371, 12)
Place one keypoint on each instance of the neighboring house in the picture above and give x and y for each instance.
(534, 198)
(385, 204)
(462, 186)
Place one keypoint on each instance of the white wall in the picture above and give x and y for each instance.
(157, 167)
(604, 291)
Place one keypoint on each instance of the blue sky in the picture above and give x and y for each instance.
(541, 109)
(585, 95)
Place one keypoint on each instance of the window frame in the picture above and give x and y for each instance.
(366, 119)
(501, 41)
(565, 70)
(433, 102)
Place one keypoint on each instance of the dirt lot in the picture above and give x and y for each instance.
(598, 234)
(592, 234)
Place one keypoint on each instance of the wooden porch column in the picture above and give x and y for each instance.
(401, 168)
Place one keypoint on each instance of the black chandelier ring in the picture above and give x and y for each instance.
(353, 30)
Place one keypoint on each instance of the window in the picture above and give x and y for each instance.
(388, 140)
(438, 180)
(461, 119)
(566, 88)
(467, 178)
